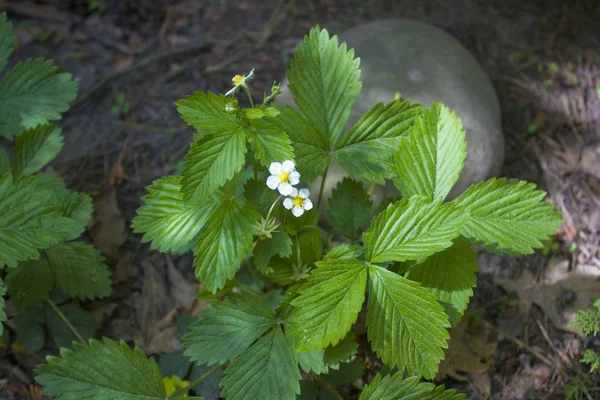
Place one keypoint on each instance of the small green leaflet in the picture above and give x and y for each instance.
(432, 155)
(87, 372)
(450, 275)
(311, 246)
(349, 208)
(211, 162)
(2, 292)
(76, 210)
(343, 251)
(225, 242)
(325, 80)
(261, 197)
(210, 113)
(508, 215)
(227, 329)
(269, 142)
(406, 325)
(341, 352)
(366, 151)
(7, 40)
(60, 332)
(393, 387)
(35, 148)
(166, 220)
(4, 162)
(412, 228)
(279, 244)
(328, 304)
(267, 370)
(34, 92)
(29, 327)
(312, 361)
(30, 284)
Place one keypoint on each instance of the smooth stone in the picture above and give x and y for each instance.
(424, 64)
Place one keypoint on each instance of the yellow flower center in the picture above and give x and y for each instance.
(237, 79)
(284, 176)
(298, 201)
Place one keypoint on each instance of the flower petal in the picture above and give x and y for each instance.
(288, 203)
(307, 204)
(304, 193)
(288, 166)
(273, 182)
(297, 211)
(294, 178)
(275, 168)
(230, 91)
(294, 192)
(285, 188)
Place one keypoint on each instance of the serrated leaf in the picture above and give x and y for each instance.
(2, 293)
(366, 151)
(210, 113)
(394, 387)
(29, 327)
(328, 304)
(280, 271)
(349, 208)
(450, 275)
(347, 374)
(7, 40)
(406, 325)
(35, 148)
(224, 243)
(60, 332)
(174, 363)
(209, 387)
(76, 210)
(227, 329)
(324, 78)
(508, 215)
(50, 182)
(211, 162)
(88, 372)
(269, 142)
(342, 351)
(343, 251)
(32, 223)
(412, 228)
(279, 244)
(34, 92)
(261, 197)
(268, 370)
(30, 284)
(311, 246)
(312, 361)
(4, 162)
(79, 270)
(166, 220)
(432, 155)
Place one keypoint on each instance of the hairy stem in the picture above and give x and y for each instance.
(64, 318)
(322, 186)
(327, 385)
(273, 206)
(249, 95)
(195, 382)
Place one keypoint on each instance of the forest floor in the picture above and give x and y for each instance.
(133, 59)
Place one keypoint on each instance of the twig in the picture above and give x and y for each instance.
(547, 337)
(66, 320)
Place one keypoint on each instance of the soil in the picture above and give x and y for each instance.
(133, 59)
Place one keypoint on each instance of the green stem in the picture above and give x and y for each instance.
(195, 382)
(273, 206)
(64, 318)
(249, 95)
(322, 186)
(299, 262)
(327, 386)
(371, 188)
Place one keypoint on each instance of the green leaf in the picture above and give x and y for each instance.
(166, 220)
(349, 208)
(280, 271)
(211, 162)
(35, 148)
(30, 284)
(210, 114)
(279, 244)
(4, 161)
(209, 387)
(257, 193)
(328, 304)
(508, 215)
(347, 374)
(269, 142)
(366, 151)
(34, 92)
(325, 80)
(311, 246)
(268, 370)
(224, 243)
(412, 228)
(76, 210)
(7, 40)
(50, 182)
(227, 329)
(174, 363)
(2, 292)
(343, 251)
(312, 361)
(79, 270)
(450, 275)
(342, 351)
(431, 157)
(32, 223)
(60, 332)
(89, 372)
(406, 325)
(29, 327)
(394, 387)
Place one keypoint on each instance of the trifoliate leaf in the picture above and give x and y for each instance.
(30, 284)
(35, 148)
(349, 208)
(76, 210)
(224, 243)
(268, 370)
(343, 251)
(211, 162)
(432, 155)
(279, 244)
(342, 351)
(312, 361)
(89, 372)
(325, 80)
(508, 215)
(166, 220)
(269, 142)
(366, 151)
(412, 228)
(79, 270)
(406, 325)
(34, 92)
(30, 225)
(7, 40)
(394, 387)
(2, 292)
(450, 275)
(29, 327)
(4, 162)
(60, 332)
(328, 304)
(310, 146)
(261, 197)
(210, 113)
(227, 329)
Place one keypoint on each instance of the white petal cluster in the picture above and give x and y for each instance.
(283, 177)
(298, 202)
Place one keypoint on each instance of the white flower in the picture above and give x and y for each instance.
(298, 202)
(239, 81)
(283, 177)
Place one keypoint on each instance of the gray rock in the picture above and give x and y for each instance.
(424, 64)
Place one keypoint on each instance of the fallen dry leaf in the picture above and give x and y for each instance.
(125, 269)
(560, 293)
(107, 229)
